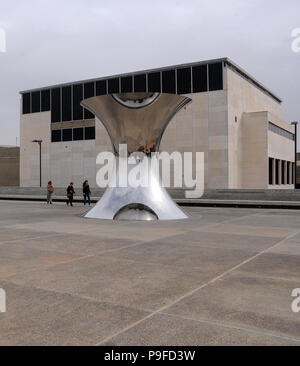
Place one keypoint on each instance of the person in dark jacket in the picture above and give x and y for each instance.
(70, 194)
(86, 192)
(50, 190)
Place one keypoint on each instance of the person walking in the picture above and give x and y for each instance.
(70, 194)
(86, 192)
(50, 190)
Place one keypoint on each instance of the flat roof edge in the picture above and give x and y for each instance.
(224, 59)
(127, 74)
(252, 79)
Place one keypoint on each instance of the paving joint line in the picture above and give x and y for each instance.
(232, 326)
(47, 266)
(75, 296)
(189, 293)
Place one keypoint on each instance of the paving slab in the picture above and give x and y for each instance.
(244, 300)
(37, 317)
(275, 265)
(290, 246)
(238, 228)
(9, 234)
(77, 244)
(122, 282)
(17, 258)
(207, 238)
(273, 221)
(196, 250)
(163, 330)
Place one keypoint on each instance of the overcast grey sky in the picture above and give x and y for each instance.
(50, 42)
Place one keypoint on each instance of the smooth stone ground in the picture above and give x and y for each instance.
(223, 277)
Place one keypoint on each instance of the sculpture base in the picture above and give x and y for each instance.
(136, 204)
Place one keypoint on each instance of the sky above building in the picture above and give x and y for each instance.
(52, 42)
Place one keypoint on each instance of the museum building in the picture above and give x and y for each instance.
(235, 120)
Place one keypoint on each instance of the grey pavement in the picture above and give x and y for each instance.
(222, 277)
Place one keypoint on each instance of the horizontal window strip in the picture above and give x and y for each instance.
(73, 134)
(64, 101)
(280, 131)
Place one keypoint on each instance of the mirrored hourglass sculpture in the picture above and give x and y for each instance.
(135, 123)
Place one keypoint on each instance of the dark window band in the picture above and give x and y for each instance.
(64, 102)
(73, 134)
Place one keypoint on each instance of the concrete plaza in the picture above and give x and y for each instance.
(223, 277)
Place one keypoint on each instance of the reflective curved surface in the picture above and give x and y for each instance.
(140, 128)
(153, 196)
(134, 100)
(138, 120)
(136, 212)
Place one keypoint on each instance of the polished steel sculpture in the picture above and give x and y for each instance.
(139, 121)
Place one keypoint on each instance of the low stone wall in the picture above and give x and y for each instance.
(218, 194)
(255, 194)
(9, 166)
